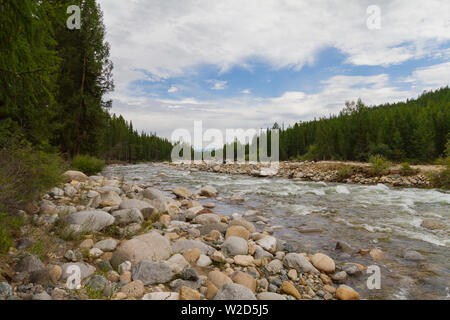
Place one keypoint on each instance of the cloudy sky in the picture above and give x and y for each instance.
(250, 63)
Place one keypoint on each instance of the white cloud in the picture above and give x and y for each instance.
(217, 84)
(172, 89)
(431, 77)
(246, 91)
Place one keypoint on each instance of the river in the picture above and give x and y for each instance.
(313, 216)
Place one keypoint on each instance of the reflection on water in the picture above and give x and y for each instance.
(363, 216)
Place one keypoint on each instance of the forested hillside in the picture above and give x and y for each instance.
(53, 83)
(417, 129)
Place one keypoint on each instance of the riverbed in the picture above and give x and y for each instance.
(313, 216)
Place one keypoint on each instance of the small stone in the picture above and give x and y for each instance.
(235, 246)
(339, 277)
(323, 262)
(58, 294)
(133, 289)
(346, 293)
(42, 296)
(275, 266)
(289, 288)
(95, 253)
(237, 231)
(86, 244)
(234, 291)
(203, 261)
(292, 274)
(107, 245)
(377, 254)
(213, 235)
(120, 296)
(244, 261)
(244, 279)
(413, 256)
(329, 288)
(125, 277)
(190, 274)
(187, 293)
(124, 267)
(161, 296)
(5, 290)
(113, 276)
(218, 256)
(177, 263)
(152, 272)
(192, 255)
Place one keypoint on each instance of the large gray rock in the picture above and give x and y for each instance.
(133, 203)
(150, 246)
(234, 246)
(261, 253)
(97, 283)
(234, 291)
(207, 218)
(150, 272)
(207, 228)
(29, 263)
(106, 245)
(270, 296)
(89, 220)
(181, 192)
(156, 199)
(299, 262)
(152, 194)
(86, 270)
(42, 296)
(182, 245)
(110, 199)
(75, 175)
(127, 216)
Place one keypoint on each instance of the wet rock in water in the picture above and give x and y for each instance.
(237, 198)
(377, 254)
(412, 255)
(208, 191)
(270, 296)
(152, 272)
(345, 247)
(93, 220)
(268, 243)
(299, 262)
(234, 291)
(346, 293)
(149, 246)
(29, 263)
(432, 224)
(127, 216)
(339, 277)
(181, 192)
(323, 262)
(353, 269)
(235, 246)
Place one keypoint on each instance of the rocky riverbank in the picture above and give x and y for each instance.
(134, 241)
(326, 171)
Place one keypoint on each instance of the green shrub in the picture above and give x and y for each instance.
(345, 172)
(379, 163)
(441, 179)
(9, 225)
(87, 164)
(406, 169)
(26, 173)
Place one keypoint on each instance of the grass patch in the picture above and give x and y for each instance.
(440, 179)
(379, 164)
(87, 164)
(406, 170)
(345, 172)
(9, 227)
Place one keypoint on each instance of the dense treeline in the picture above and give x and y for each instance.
(417, 129)
(53, 83)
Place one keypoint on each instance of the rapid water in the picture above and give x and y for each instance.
(312, 217)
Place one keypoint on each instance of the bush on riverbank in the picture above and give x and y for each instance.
(26, 173)
(9, 226)
(345, 172)
(379, 164)
(87, 164)
(441, 179)
(406, 170)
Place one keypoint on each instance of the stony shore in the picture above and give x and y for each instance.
(326, 171)
(131, 241)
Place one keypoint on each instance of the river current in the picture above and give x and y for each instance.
(313, 216)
